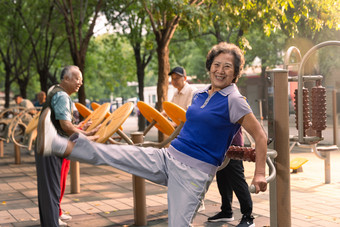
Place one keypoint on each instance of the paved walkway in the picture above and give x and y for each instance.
(106, 195)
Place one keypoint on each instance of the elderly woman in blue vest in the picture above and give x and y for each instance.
(189, 165)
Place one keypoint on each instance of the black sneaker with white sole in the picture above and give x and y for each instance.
(247, 221)
(221, 217)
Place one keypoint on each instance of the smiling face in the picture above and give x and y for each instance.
(76, 81)
(222, 71)
(72, 81)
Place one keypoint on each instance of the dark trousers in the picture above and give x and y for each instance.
(48, 177)
(230, 179)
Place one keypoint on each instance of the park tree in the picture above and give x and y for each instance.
(164, 17)
(131, 21)
(15, 55)
(314, 22)
(269, 49)
(110, 64)
(42, 24)
(262, 29)
(80, 17)
(231, 22)
(190, 53)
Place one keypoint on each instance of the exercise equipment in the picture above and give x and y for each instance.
(97, 116)
(309, 129)
(6, 117)
(83, 110)
(95, 105)
(311, 116)
(13, 125)
(249, 154)
(318, 95)
(33, 124)
(23, 134)
(155, 118)
(296, 164)
(17, 126)
(175, 112)
(315, 121)
(160, 122)
(114, 122)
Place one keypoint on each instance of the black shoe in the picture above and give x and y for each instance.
(221, 217)
(247, 221)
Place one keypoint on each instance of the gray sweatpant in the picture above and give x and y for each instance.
(186, 185)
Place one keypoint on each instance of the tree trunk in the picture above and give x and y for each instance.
(140, 77)
(78, 36)
(23, 83)
(44, 76)
(23, 92)
(7, 89)
(81, 93)
(43, 80)
(163, 79)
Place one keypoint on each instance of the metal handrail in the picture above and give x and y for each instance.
(289, 54)
(271, 154)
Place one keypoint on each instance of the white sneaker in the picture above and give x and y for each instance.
(202, 207)
(65, 217)
(46, 133)
(61, 223)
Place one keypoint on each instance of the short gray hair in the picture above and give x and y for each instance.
(227, 48)
(67, 71)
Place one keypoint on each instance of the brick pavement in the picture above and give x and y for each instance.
(106, 196)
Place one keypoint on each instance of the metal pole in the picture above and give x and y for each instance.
(139, 195)
(1, 148)
(327, 162)
(75, 177)
(17, 155)
(335, 119)
(281, 145)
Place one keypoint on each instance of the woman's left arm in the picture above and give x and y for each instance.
(253, 127)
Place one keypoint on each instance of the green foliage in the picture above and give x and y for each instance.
(133, 24)
(15, 55)
(259, 27)
(110, 65)
(267, 48)
(191, 54)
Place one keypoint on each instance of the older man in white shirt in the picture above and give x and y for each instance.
(184, 93)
